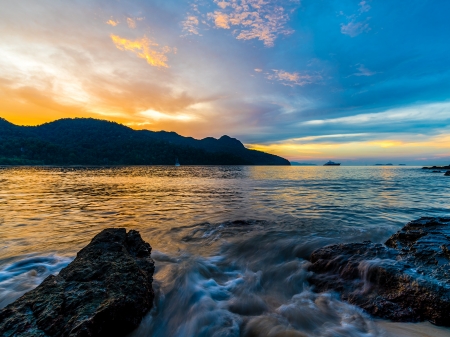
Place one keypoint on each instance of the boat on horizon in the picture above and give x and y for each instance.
(177, 163)
(331, 163)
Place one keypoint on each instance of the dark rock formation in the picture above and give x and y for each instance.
(105, 291)
(407, 279)
(447, 173)
(446, 167)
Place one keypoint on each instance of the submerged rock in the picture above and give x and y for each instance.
(407, 279)
(105, 291)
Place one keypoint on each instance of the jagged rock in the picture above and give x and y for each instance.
(447, 173)
(407, 279)
(105, 291)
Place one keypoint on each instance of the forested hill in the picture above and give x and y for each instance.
(86, 141)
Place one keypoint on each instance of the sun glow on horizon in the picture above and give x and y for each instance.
(263, 72)
(438, 147)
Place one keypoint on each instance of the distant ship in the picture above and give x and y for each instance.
(331, 163)
(177, 163)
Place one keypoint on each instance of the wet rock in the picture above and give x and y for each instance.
(407, 279)
(105, 291)
(447, 173)
(446, 167)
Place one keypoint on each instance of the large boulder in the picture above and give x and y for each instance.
(407, 279)
(105, 291)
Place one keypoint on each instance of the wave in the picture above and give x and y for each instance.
(18, 277)
(253, 284)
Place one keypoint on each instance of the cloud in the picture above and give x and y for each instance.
(221, 20)
(144, 48)
(222, 4)
(190, 25)
(332, 136)
(253, 19)
(353, 29)
(363, 71)
(407, 149)
(157, 116)
(131, 23)
(295, 78)
(53, 73)
(258, 70)
(415, 113)
(112, 22)
(364, 7)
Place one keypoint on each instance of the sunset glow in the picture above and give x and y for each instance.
(298, 79)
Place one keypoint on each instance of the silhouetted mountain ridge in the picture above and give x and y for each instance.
(87, 141)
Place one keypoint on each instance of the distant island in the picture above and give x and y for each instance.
(87, 141)
(294, 163)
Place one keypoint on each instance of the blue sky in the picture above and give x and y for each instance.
(356, 81)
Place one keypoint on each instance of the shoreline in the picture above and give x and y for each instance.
(421, 329)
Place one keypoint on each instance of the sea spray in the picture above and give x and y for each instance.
(18, 277)
(254, 283)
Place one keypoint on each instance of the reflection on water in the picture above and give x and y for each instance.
(229, 242)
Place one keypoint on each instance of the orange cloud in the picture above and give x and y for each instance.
(190, 25)
(131, 23)
(295, 78)
(112, 22)
(221, 20)
(255, 19)
(143, 49)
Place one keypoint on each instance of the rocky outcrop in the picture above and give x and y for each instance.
(105, 291)
(447, 173)
(407, 279)
(445, 167)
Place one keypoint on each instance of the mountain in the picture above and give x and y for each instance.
(87, 141)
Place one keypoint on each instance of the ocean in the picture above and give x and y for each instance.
(230, 243)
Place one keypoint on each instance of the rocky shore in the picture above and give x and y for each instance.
(407, 279)
(439, 169)
(105, 291)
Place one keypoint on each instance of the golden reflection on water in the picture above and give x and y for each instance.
(59, 210)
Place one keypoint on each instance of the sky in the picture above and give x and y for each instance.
(359, 82)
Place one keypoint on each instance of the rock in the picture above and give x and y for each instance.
(105, 291)
(447, 173)
(407, 279)
(446, 167)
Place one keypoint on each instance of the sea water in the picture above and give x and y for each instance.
(230, 243)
